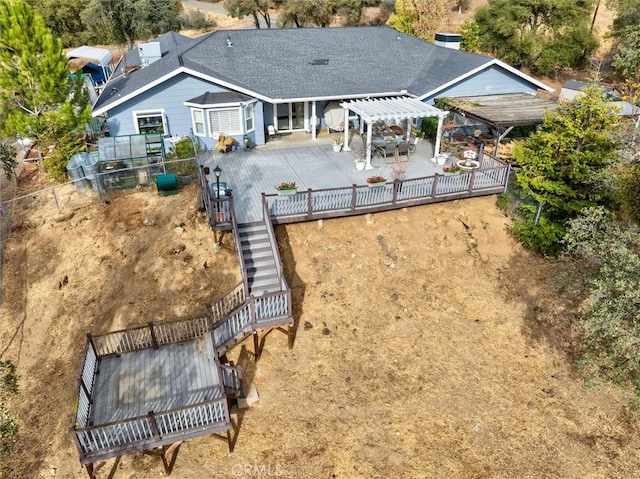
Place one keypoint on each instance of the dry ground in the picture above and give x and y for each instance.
(425, 349)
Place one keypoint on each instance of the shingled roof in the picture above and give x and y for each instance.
(307, 63)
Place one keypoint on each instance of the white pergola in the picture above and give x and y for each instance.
(397, 108)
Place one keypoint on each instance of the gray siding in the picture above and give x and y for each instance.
(491, 81)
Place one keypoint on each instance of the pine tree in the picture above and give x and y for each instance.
(38, 97)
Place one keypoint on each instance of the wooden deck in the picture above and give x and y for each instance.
(170, 377)
(253, 172)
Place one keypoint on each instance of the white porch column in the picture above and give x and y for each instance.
(367, 147)
(313, 120)
(436, 148)
(346, 130)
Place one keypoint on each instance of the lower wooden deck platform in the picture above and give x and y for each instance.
(172, 376)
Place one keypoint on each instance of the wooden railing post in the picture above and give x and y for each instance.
(154, 426)
(506, 177)
(86, 390)
(309, 204)
(90, 342)
(396, 185)
(154, 340)
(354, 192)
(434, 187)
(472, 180)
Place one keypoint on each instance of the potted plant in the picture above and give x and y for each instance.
(376, 180)
(287, 188)
(337, 145)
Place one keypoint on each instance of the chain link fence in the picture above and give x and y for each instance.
(36, 207)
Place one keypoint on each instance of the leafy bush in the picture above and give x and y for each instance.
(196, 20)
(8, 425)
(184, 149)
(56, 162)
(630, 191)
(606, 253)
(8, 158)
(543, 237)
(429, 127)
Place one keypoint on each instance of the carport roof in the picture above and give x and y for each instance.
(502, 111)
(101, 55)
(402, 108)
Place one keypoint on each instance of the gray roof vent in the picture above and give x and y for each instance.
(228, 41)
(320, 61)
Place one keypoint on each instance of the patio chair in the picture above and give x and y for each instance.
(273, 133)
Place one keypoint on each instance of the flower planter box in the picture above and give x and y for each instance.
(376, 185)
(287, 192)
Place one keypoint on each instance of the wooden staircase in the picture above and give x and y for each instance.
(261, 302)
(262, 266)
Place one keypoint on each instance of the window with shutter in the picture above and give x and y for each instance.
(225, 121)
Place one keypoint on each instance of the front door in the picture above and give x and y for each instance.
(290, 116)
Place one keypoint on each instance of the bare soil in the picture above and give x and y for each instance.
(429, 345)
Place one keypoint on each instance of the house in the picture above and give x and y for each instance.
(239, 82)
(573, 88)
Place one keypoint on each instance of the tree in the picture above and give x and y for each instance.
(38, 97)
(564, 166)
(301, 13)
(254, 8)
(8, 425)
(420, 18)
(63, 19)
(606, 255)
(539, 34)
(470, 36)
(130, 20)
(626, 57)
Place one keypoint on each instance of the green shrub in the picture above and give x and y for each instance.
(8, 158)
(183, 149)
(544, 237)
(630, 191)
(196, 20)
(8, 425)
(56, 162)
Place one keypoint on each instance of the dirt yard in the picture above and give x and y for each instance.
(429, 345)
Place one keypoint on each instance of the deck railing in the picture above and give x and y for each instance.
(151, 335)
(256, 313)
(152, 430)
(229, 301)
(231, 379)
(274, 245)
(219, 210)
(355, 200)
(85, 386)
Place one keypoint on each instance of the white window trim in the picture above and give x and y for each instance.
(141, 113)
(204, 122)
(237, 110)
(246, 108)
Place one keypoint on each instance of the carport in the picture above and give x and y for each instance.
(102, 56)
(396, 108)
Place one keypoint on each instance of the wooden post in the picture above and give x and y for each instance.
(354, 191)
(472, 180)
(154, 340)
(396, 186)
(290, 336)
(309, 204)
(154, 426)
(434, 187)
(256, 345)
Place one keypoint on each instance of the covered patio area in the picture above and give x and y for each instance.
(501, 113)
(389, 120)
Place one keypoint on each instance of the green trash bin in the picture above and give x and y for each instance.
(167, 184)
